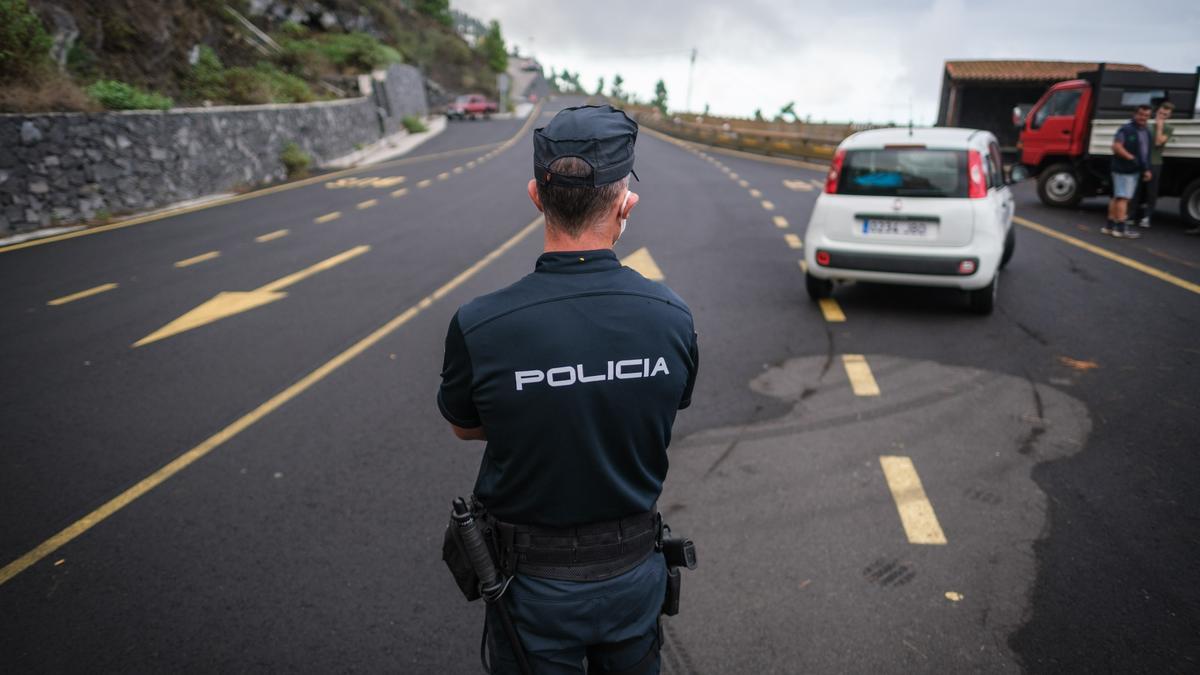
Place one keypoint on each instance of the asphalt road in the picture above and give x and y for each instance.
(266, 488)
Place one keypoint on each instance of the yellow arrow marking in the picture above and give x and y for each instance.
(227, 304)
(271, 236)
(198, 259)
(643, 262)
(96, 290)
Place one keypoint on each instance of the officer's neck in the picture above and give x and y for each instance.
(591, 239)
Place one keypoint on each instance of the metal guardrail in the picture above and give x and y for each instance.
(761, 141)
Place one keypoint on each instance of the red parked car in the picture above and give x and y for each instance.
(472, 106)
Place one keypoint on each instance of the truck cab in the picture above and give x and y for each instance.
(1057, 143)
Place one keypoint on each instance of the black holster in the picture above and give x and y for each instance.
(677, 552)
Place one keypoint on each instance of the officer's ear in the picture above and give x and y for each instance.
(533, 194)
(628, 206)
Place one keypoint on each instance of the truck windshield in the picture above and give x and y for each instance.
(907, 172)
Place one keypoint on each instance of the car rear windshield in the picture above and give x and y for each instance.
(904, 172)
(463, 99)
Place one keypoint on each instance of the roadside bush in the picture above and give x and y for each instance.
(357, 51)
(117, 95)
(303, 58)
(206, 80)
(265, 83)
(24, 44)
(295, 160)
(413, 124)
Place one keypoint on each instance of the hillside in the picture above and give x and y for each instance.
(152, 54)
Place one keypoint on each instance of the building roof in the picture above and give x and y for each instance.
(1030, 71)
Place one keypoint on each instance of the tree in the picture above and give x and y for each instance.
(660, 97)
(492, 48)
(617, 92)
(789, 110)
(438, 10)
(600, 87)
(758, 115)
(705, 113)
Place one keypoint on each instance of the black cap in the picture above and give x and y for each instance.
(601, 135)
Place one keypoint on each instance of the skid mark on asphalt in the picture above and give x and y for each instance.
(95, 290)
(194, 260)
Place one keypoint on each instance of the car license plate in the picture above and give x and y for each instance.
(917, 229)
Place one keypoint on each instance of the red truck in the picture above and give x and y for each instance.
(1066, 137)
(471, 105)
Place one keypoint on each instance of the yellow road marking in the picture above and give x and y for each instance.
(725, 169)
(859, 372)
(400, 193)
(198, 259)
(271, 236)
(1115, 257)
(226, 304)
(770, 206)
(443, 175)
(246, 421)
(756, 193)
(425, 183)
(829, 307)
(793, 240)
(799, 185)
(458, 169)
(471, 164)
(804, 268)
(366, 204)
(643, 262)
(780, 222)
(744, 183)
(95, 290)
(916, 513)
(138, 220)
(328, 217)
(733, 176)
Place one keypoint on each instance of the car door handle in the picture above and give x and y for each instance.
(1065, 132)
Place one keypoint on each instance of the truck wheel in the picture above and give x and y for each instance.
(983, 300)
(1189, 204)
(817, 288)
(1058, 185)
(1010, 243)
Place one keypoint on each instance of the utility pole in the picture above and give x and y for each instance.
(691, 69)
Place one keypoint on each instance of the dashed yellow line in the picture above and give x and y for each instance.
(770, 206)
(744, 183)
(916, 512)
(471, 164)
(829, 307)
(443, 175)
(188, 262)
(733, 176)
(780, 222)
(793, 240)
(271, 236)
(804, 268)
(400, 193)
(328, 217)
(366, 204)
(458, 169)
(859, 372)
(756, 193)
(424, 183)
(95, 290)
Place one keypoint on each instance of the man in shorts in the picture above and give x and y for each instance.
(1130, 164)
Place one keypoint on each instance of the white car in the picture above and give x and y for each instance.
(922, 207)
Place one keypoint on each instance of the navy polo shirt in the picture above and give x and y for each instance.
(575, 373)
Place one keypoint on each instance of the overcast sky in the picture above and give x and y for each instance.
(861, 60)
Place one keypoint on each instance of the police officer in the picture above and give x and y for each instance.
(573, 376)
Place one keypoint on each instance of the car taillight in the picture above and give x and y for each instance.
(823, 258)
(977, 187)
(835, 168)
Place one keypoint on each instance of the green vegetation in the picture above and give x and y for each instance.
(117, 95)
(355, 52)
(660, 97)
(413, 124)
(617, 92)
(599, 87)
(438, 10)
(295, 160)
(493, 49)
(24, 45)
(206, 81)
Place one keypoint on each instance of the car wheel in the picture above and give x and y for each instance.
(1010, 243)
(1058, 185)
(983, 300)
(817, 288)
(1189, 204)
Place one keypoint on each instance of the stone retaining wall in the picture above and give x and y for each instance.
(62, 168)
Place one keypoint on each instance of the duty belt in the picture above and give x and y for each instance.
(591, 552)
